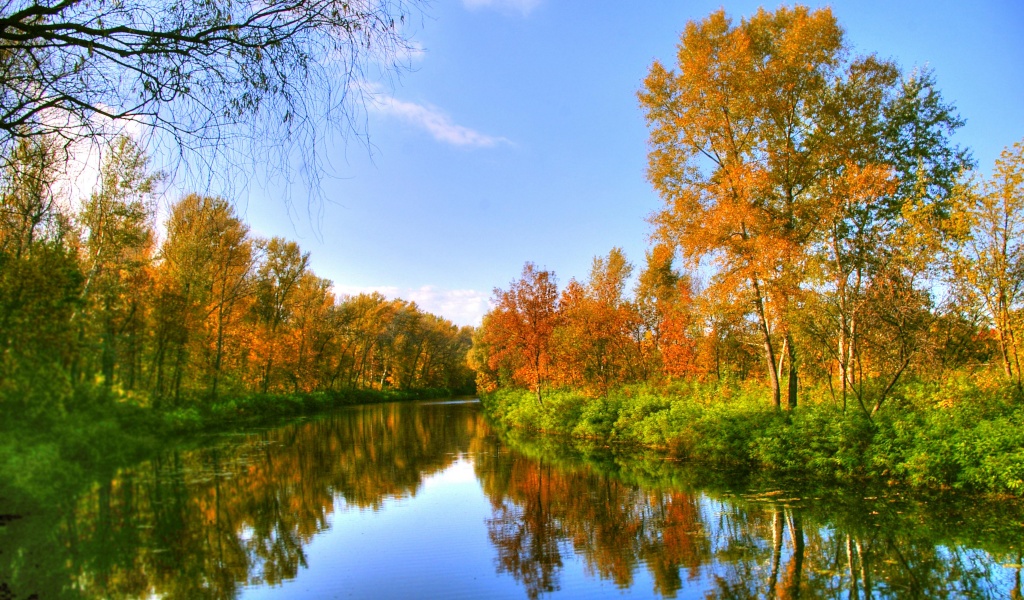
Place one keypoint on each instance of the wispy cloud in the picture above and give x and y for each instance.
(410, 54)
(429, 118)
(524, 7)
(462, 307)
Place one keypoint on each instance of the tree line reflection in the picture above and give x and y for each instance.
(729, 545)
(205, 523)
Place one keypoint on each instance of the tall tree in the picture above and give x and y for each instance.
(990, 262)
(118, 248)
(312, 331)
(656, 291)
(206, 263)
(276, 282)
(736, 154)
(793, 167)
(886, 208)
(595, 337)
(40, 282)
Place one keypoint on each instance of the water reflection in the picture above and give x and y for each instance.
(203, 523)
(243, 513)
(771, 544)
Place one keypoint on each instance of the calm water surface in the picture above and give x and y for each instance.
(426, 500)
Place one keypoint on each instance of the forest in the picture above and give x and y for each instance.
(99, 304)
(832, 286)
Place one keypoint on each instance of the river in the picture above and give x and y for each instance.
(427, 500)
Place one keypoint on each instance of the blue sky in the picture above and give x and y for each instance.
(516, 136)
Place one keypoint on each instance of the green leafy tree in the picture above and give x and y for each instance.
(40, 283)
(117, 252)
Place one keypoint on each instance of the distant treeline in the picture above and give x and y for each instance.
(92, 299)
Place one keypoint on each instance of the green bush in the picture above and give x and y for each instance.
(961, 433)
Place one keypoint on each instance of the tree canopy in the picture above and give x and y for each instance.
(787, 163)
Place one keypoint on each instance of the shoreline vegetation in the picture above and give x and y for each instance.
(956, 435)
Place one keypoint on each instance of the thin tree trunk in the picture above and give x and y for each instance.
(793, 386)
(794, 573)
(769, 349)
(851, 564)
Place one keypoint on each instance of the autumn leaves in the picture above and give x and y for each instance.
(811, 194)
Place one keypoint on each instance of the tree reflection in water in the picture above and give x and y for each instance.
(205, 523)
(768, 545)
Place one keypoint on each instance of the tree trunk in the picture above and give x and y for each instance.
(794, 573)
(793, 380)
(769, 349)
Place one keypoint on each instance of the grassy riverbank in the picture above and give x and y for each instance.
(44, 457)
(959, 434)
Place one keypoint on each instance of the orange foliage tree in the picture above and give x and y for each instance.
(735, 156)
(519, 328)
(784, 164)
(595, 341)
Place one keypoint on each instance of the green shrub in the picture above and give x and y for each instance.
(965, 433)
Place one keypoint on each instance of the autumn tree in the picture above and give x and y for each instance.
(656, 291)
(312, 333)
(276, 281)
(773, 148)
(989, 263)
(598, 338)
(734, 159)
(205, 267)
(666, 305)
(519, 328)
(364, 319)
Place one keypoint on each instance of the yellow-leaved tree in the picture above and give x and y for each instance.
(795, 171)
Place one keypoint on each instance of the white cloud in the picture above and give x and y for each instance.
(431, 119)
(462, 307)
(524, 7)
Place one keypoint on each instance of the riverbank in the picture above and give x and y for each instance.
(960, 434)
(42, 459)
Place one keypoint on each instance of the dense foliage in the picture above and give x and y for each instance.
(95, 303)
(958, 434)
(823, 242)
